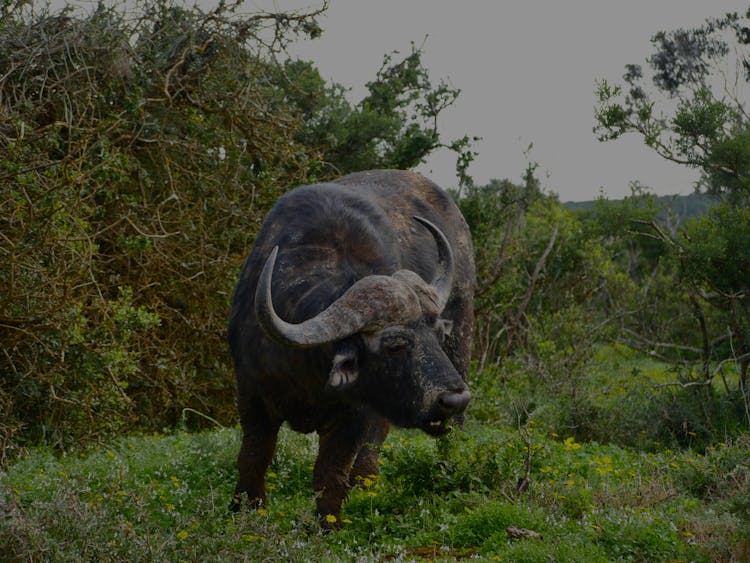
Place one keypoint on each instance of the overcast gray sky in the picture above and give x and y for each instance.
(527, 71)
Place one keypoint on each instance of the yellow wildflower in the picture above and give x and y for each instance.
(570, 444)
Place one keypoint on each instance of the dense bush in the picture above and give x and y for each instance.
(131, 187)
(535, 269)
(562, 293)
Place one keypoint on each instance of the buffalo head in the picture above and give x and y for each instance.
(386, 334)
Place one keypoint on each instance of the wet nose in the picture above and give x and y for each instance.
(454, 402)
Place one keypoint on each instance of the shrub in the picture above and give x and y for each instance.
(129, 192)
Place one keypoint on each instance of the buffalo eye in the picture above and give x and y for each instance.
(395, 343)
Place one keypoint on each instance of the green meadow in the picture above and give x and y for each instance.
(491, 491)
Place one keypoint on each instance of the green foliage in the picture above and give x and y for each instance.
(674, 208)
(533, 261)
(722, 475)
(699, 121)
(714, 258)
(556, 288)
(640, 293)
(730, 163)
(495, 215)
(165, 498)
(707, 129)
(394, 126)
(621, 226)
(715, 250)
(129, 193)
(613, 395)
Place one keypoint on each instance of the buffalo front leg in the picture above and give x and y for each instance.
(338, 447)
(366, 464)
(259, 435)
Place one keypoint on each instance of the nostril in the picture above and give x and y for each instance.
(454, 402)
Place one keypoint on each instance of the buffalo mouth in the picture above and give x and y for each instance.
(449, 405)
(437, 427)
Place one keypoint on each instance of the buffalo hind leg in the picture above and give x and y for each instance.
(366, 464)
(259, 435)
(338, 447)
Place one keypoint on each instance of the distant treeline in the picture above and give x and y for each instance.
(679, 207)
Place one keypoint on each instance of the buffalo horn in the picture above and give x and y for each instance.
(372, 303)
(442, 281)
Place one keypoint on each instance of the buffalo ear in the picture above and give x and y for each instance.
(443, 327)
(345, 369)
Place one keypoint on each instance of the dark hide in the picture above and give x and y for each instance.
(360, 228)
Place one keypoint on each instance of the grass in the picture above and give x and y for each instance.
(165, 498)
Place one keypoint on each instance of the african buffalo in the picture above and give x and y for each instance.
(353, 311)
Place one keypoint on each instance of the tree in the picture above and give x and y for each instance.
(706, 126)
(394, 126)
(536, 270)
